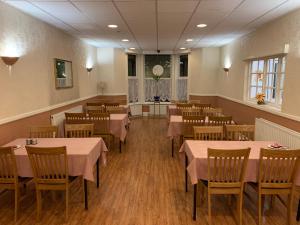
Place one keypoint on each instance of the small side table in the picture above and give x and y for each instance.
(155, 103)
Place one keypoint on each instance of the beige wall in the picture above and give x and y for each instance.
(30, 85)
(203, 71)
(113, 70)
(269, 39)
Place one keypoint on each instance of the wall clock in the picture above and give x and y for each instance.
(157, 70)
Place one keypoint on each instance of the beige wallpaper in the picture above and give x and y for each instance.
(203, 71)
(30, 84)
(269, 39)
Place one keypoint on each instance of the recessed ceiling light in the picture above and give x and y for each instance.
(182, 48)
(189, 39)
(112, 26)
(201, 25)
(132, 48)
(125, 40)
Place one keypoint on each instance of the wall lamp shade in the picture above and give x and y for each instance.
(9, 60)
(226, 70)
(89, 69)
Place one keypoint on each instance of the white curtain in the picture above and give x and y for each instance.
(160, 88)
(181, 89)
(133, 90)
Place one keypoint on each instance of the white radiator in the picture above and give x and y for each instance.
(58, 118)
(269, 131)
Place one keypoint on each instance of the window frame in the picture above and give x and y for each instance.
(280, 74)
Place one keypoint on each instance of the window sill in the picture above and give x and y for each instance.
(265, 107)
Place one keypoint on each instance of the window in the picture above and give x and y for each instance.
(133, 82)
(183, 61)
(181, 81)
(162, 87)
(132, 65)
(267, 76)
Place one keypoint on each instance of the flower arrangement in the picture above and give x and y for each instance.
(260, 99)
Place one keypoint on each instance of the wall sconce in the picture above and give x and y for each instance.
(9, 61)
(89, 69)
(226, 70)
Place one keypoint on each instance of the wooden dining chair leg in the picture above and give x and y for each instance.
(39, 203)
(172, 147)
(298, 211)
(290, 208)
(17, 198)
(209, 208)
(67, 203)
(259, 208)
(195, 203)
(186, 173)
(240, 208)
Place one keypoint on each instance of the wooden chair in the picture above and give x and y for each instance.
(116, 110)
(79, 130)
(277, 169)
(99, 109)
(212, 111)
(219, 120)
(183, 106)
(112, 104)
(239, 132)
(9, 175)
(95, 103)
(226, 172)
(188, 122)
(50, 171)
(43, 132)
(72, 118)
(202, 106)
(191, 112)
(145, 109)
(208, 133)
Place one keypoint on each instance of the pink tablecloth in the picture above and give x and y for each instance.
(196, 152)
(82, 154)
(172, 110)
(118, 124)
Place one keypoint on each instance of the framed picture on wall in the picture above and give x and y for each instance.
(63, 73)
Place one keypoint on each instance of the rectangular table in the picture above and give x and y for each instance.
(82, 153)
(196, 160)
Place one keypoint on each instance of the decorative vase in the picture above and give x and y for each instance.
(260, 102)
(156, 98)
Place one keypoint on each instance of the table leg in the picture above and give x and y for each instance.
(97, 165)
(120, 146)
(86, 204)
(195, 202)
(172, 147)
(298, 211)
(186, 175)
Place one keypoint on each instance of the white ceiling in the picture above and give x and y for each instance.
(156, 24)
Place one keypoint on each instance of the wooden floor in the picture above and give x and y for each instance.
(143, 185)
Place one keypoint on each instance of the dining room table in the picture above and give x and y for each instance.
(82, 154)
(196, 160)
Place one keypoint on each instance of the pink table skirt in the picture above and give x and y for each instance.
(82, 153)
(196, 152)
(172, 110)
(118, 124)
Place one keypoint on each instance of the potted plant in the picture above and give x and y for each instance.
(260, 98)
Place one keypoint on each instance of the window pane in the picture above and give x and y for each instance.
(163, 60)
(132, 65)
(254, 66)
(276, 61)
(283, 65)
(183, 66)
(253, 92)
(261, 66)
(280, 96)
(270, 65)
(270, 95)
(253, 79)
(260, 82)
(271, 80)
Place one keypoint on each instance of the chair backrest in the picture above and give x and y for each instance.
(8, 166)
(79, 130)
(194, 101)
(94, 103)
(43, 132)
(212, 111)
(99, 108)
(191, 112)
(101, 122)
(239, 132)
(112, 104)
(202, 105)
(182, 106)
(115, 110)
(49, 165)
(208, 133)
(188, 122)
(72, 118)
(227, 167)
(219, 120)
(277, 168)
